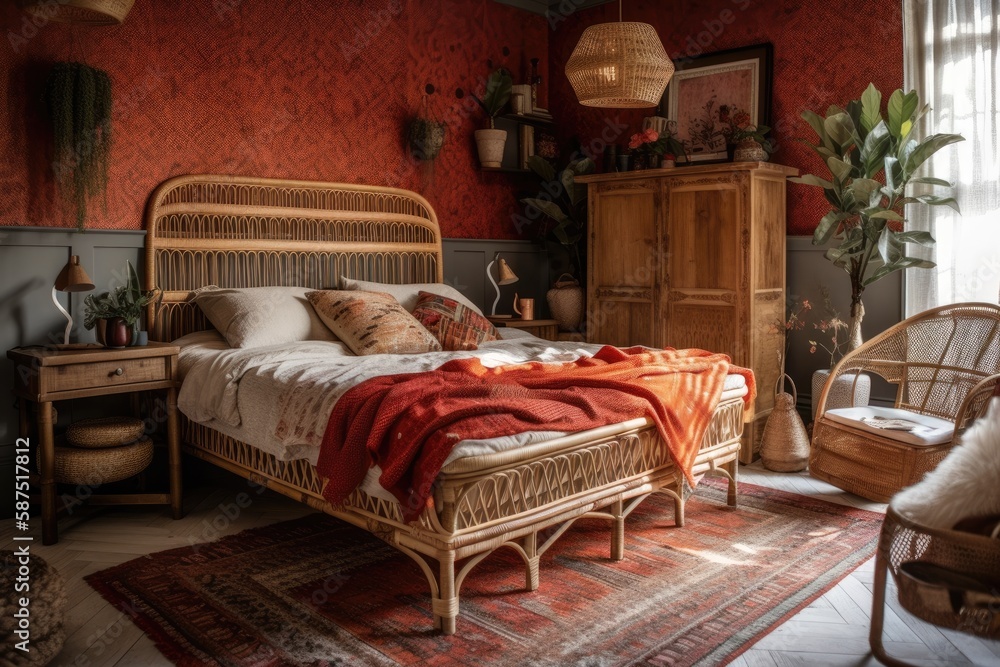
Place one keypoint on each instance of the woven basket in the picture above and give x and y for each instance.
(784, 446)
(104, 432)
(91, 12)
(102, 466)
(566, 302)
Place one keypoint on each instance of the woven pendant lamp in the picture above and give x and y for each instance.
(90, 12)
(619, 65)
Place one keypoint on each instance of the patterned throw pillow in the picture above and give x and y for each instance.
(372, 322)
(454, 324)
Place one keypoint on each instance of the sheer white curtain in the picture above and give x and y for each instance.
(952, 59)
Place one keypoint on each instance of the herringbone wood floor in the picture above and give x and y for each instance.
(832, 631)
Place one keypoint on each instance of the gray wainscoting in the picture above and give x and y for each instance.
(31, 258)
(808, 271)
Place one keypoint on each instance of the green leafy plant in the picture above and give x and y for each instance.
(736, 127)
(426, 138)
(126, 301)
(498, 88)
(872, 160)
(563, 202)
(78, 100)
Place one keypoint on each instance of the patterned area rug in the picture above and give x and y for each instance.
(316, 591)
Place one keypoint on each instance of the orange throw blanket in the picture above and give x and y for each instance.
(409, 423)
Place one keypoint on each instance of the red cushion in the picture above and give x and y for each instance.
(456, 326)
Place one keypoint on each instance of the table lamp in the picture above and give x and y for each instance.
(72, 278)
(507, 277)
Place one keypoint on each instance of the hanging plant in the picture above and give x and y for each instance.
(426, 138)
(78, 99)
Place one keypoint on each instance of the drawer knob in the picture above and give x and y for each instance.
(119, 371)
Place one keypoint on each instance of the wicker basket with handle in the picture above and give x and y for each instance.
(784, 446)
(566, 302)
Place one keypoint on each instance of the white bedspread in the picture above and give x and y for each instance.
(279, 398)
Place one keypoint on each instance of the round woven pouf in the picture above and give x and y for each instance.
(102, 466)
(47, 598)
(104, 432)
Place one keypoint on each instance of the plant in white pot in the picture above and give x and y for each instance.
(490, 143)
(872, 160)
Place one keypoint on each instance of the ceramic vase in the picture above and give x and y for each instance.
(117, 333)
(844, 393)
(749, 150)
(566, 301)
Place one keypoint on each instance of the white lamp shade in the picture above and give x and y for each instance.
(619, 65)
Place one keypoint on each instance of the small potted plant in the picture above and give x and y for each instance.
(114, 316)
(653, 149)
(849, 389)
(751, 142)
(426, 138)
(643, 144)
(490, 143)
(830, 336)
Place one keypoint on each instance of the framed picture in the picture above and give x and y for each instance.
(737, 80)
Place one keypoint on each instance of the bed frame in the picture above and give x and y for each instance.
(249, 232)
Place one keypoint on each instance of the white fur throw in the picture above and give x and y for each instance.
(966, 484)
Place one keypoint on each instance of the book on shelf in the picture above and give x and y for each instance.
(527, 145)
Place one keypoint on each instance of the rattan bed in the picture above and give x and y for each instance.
(247, 232)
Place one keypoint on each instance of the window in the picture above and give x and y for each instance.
(952, 60)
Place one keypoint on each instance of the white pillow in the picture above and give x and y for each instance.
(259, 316)
(406, 295)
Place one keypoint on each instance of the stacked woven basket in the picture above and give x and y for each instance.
(102, 451)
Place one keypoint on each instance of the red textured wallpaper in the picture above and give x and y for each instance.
(282, 88)
(824, 53)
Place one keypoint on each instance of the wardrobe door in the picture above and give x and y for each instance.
(705, 264)
(625, 253)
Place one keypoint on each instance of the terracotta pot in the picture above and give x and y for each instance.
(490, 144)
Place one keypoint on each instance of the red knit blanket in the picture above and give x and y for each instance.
(409, 423)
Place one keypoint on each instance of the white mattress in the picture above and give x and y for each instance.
(279, 398)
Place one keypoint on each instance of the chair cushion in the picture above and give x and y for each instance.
(926, 431)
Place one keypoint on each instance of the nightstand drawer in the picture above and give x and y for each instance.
(109, 373)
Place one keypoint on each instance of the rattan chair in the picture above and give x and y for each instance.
(945, 362)
(945, 577)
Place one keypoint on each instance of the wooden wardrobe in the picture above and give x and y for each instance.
(693, 257)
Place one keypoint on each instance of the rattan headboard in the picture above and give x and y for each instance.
(234, 231)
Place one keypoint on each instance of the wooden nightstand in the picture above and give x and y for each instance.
(547, 329)
(44, 376)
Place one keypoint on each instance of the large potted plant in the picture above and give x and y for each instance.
(115, 315)
(563, 202)
(872, 160)
(490, 143)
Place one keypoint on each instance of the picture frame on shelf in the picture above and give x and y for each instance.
(736, 78)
